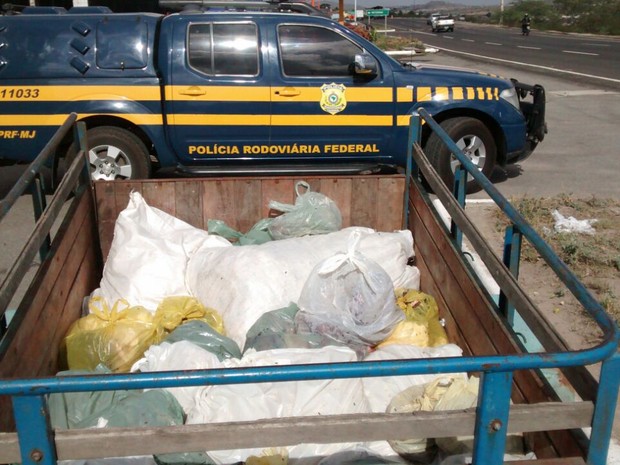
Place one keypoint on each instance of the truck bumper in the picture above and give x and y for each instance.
(532, 101)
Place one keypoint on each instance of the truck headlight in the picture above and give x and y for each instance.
(510, 95)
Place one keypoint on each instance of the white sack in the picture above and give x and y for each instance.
(247, 402)
(181, 355)
(242, 283)
(148, 256)
(380, 391)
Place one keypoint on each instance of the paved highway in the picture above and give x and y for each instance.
(583, 58)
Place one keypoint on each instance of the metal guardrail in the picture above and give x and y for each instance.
(493, 410)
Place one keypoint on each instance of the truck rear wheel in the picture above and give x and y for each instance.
(116, 153)
(476, 142)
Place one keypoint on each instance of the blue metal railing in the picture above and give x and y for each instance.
(32, 181)
(37, 445)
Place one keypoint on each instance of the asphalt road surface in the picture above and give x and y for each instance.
(587, 58)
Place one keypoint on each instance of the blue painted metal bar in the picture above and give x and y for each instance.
(39, 203)
(36, 442)
(460, 183)
(79, 134)
(492, 418)
(604, 409)
(23, 183)
(414, 136)
(511, 258)
(493, 363)
(558, 266)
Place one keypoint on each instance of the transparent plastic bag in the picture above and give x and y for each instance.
(204, 336)
(350, 298)
(277, 330)
(313, 213)
(258, 234)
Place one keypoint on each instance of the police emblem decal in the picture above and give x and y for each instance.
(333, 99)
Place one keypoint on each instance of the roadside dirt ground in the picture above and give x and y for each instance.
(557, 304)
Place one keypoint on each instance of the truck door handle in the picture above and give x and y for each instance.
(193, 91)
(288, 92)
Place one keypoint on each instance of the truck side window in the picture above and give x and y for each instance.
(224, 48)
(315, 51)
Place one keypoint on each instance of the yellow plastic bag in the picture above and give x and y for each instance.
(115, 337)
(176, 310)
(421, 326)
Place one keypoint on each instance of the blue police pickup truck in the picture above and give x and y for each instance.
(242, 92)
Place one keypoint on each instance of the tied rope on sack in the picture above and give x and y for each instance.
(350, 298)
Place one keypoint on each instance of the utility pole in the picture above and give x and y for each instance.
(501, 12)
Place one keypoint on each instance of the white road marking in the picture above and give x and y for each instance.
(580, 93)
(529, 48)
(492, 43)
(468, 40)
(580, 53)
(548, 68)
(595, 45)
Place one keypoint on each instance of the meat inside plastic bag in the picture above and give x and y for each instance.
(350, 298)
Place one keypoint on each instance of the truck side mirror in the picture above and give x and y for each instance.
(365, 65)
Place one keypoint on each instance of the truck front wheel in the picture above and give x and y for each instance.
(475, 141)
(115, 153)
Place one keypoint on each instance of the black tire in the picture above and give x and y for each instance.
(115, 153)
(473, 138)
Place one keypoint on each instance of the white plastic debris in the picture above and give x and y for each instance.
(572, 225)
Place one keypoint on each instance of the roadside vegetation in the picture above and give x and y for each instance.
(594, 258)
(585, 16)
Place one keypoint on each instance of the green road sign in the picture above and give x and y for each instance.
(378, 12)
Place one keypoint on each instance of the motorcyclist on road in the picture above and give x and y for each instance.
(525, 24)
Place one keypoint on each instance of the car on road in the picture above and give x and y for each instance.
(429, 20)
(442, 23)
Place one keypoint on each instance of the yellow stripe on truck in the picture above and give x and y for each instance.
(332, 120)
(58, 120)
(265, 94)
(218, 119)
(75, 93)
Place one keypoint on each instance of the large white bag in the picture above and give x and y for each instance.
(148, 256)
(380, 391)
(242, 283)
(247, 402)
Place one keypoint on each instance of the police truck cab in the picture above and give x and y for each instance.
(235, 92)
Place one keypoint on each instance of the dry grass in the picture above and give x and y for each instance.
(595, 258)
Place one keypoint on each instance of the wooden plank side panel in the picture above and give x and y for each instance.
(469, 308)
(188, 203)
(216, 202)
(248, 202)
(427, 231)
(340, 192)
(281, 432)
(105, 194)
(364, 201)
(160, 195)
(53, 301)
(63, 305)
(389, 208)
(278, 190)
